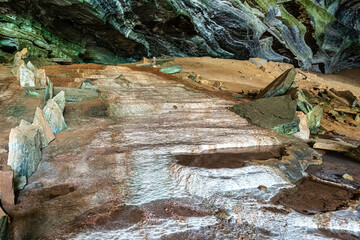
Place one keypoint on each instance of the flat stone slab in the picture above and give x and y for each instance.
(71, 94)
(171, 69)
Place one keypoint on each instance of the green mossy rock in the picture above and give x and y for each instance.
(280, 85)
(277, 113)
(314, 119)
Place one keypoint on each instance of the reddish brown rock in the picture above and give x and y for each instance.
(6, 185)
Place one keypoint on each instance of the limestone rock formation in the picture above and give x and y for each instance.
(25, 75)
(7, 196)
(315, 35)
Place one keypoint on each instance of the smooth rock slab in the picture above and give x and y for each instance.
(54, 116)
(24, 150)
(46, 133)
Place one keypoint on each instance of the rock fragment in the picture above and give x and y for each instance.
(24, 152)
(354, 154)
(6, 185)
(18, 59)
(304, 132)
(278, 113)
(46, 133)
(88, 85)
(54, 116)
(4, 226)
(49, 90)
(258, 62)
(346, 97)
(314, 118)
(280, 85)
(331, 145)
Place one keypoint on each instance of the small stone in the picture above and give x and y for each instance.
(25, 76)
(304, 132)
(54, 116)
(346, 97)
(46, 133)
(348, 177)
(314, 119)
(354, 154)
(205, 82)
(217, 84)
(262, 188)
(280, 85)
(88, 85)
(24, 150)
(6, 185)
(171, 69)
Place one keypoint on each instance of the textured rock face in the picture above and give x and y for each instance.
(316, 35)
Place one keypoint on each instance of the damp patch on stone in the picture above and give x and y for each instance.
(232, 158)
(312, 197)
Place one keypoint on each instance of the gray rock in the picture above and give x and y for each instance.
(60, 100)
(24, 150)
(171, 69)
(49, 91)
(88, 85)
(277, 113)
(280, 85)
(258, 62)
(46, 133)
(54, 116)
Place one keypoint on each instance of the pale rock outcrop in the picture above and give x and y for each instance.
(25, 75)
(19, 56)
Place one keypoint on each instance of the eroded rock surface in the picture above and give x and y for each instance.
(115, 173)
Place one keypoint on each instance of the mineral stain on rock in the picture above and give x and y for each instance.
(236, 159)
(311, 197)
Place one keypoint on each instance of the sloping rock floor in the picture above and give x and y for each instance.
(118, 171)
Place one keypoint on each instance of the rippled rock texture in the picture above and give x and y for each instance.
(314, 34)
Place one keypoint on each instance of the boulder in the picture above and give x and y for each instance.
(24, 151)
(171, 69)
(88, 85)
(314, 118)
(277, 113)
(6, 185)
(46, 133)
(54, 116)
(304, 132)
(280, 85)
(25, 76)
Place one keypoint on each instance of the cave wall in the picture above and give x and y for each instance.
(312, 34)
